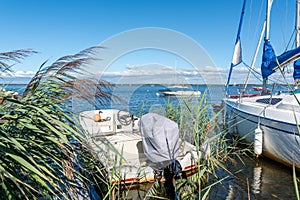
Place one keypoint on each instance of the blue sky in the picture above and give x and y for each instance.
(61, 27)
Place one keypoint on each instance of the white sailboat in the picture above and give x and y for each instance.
(269, 120)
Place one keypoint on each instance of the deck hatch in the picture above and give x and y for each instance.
(271, 101)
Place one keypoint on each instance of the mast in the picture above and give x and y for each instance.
(271, 62)
(268, 13)
(255, 55)
(297, 24)
(267, 37)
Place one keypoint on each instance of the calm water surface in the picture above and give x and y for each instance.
(261, 179)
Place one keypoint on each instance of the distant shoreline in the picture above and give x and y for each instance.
(149, 84)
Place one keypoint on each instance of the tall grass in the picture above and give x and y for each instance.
(199, 124)
(44, 151)
(42, 147)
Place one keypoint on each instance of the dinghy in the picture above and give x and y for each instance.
(132, 148)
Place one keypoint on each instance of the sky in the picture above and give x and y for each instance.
(56, 28)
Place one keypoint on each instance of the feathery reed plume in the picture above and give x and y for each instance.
(63, 69)
(42, 146)
(64, 74)
(13, 56)
(87, 88)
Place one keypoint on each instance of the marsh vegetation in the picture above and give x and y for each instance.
(45, 154)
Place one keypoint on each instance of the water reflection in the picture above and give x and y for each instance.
(257, 174)
(261, 179)
(257, 179)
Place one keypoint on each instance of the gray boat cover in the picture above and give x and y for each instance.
(160, 137)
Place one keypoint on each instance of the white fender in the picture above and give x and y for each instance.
(258, 141)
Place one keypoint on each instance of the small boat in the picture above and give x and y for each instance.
(118, 139)
(271, 120)
(235, 96)
(257, 88)
(179, 91)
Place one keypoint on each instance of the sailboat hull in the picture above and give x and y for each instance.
(278, 122)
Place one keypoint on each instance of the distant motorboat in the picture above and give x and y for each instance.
(235, 96)
(179, 91)
(257, 88)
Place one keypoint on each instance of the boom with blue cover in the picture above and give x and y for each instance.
(270, 63)
(296, 74)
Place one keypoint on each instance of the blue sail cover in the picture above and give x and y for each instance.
(268, 56)
(270, 62)
(296, 74)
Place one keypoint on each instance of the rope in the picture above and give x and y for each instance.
(257, 75)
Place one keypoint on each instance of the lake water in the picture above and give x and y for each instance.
(250, 179)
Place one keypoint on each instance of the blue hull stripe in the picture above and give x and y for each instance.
(264, 124)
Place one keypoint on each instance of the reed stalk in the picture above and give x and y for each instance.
(199, 124)
(43, 149)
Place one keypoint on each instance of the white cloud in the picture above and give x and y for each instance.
(18, 74)
(155, 73)
(24, 73)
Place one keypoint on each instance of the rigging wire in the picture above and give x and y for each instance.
(257, 25)
(287, 45)
(290, 44)
(255, 33)
(253, 71)
(291, 40)
(258, 76)
(287, 42)
(280, 17)
(249, 21)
